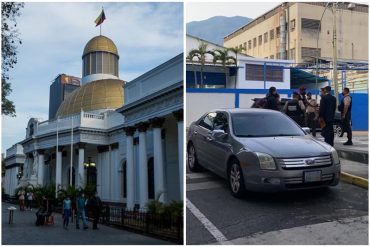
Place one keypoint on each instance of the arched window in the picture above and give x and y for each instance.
(151, 178)
(124, 179)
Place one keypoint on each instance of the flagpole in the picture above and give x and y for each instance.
(71, 165)
(56, 161)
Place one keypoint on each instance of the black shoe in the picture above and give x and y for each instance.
(85, 227)
(95, 228)
(77, 227)
(348, 143)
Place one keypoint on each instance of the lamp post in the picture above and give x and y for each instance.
(88, 166)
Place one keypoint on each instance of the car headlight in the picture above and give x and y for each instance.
(335, 156)
(266, 161)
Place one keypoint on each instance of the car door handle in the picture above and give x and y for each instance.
(209, 138)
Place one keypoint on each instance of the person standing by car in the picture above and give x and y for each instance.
(272, 99)
(345, 109)
(326, 114)
(311, 113)
(295, 109)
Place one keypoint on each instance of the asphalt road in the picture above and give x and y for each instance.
(335, 215)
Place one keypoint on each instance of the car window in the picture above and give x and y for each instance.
(207, 121)
(220, 122)
(264, 124)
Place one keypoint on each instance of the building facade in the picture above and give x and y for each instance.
(294, 31)
(62, 86)
(90, 143)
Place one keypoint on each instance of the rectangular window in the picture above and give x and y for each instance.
(292, 53)
(254, 42)
(271, 34)
(111, 64)
(255, 72)
(93, 63)
(105, 63)
(245, 46)
(249, 44)
(292, 25)
(278, 32)
(99, 62)
(308, 52)
(265, 37)
(310, 24)
(272, 57)
(260, 40)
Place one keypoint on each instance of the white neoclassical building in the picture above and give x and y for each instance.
(125, 138)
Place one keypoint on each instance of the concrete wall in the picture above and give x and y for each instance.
(200, 101)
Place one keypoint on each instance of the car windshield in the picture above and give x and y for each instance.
(264, 124)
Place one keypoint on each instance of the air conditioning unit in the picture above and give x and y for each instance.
(351, 6)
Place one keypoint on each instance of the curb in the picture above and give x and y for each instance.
(355, 180)
(360, 157)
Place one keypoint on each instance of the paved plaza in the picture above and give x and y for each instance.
(24, 231)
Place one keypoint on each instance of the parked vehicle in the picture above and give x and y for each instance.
(260, 150)
(338, 123)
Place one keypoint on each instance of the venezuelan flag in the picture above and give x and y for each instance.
(100, 18)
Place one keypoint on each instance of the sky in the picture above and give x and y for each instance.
(198, 11)
(55, 34)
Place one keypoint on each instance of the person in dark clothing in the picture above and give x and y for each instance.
(302, 95)
(295, 109)
(326, 114)
(345, 109)
(96, 205)
(272, 99)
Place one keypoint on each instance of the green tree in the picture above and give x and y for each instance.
(236, 50)
(9, 44)
(200, 53)
(222, 56)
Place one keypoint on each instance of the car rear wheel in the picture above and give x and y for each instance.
(192, 159)
(236, 181)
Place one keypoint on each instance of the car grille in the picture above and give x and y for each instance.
(299, 180)
(304, 163)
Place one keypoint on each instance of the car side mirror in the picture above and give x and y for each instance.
(306, 130)
(219, 134)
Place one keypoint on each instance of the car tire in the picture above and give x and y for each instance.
(338, 130)
(236, 180)
(192, 159)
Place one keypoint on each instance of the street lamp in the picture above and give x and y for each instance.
(335, 82)
(19, 175)
(89, 164)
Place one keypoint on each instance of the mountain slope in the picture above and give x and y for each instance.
(216, 28)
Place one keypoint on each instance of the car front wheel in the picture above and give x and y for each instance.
(236, 181)
(338, 130)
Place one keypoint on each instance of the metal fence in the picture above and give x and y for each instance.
(163, 225)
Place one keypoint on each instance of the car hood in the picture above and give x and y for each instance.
(286, 146)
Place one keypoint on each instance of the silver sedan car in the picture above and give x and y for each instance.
(260, 150)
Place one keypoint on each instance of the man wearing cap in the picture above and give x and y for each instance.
(327, 112)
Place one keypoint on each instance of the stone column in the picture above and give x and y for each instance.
(41, 167)
(130, 171)
(158, 158)
(58, 169)
(81, 161)
(143, 165)
(179, 115)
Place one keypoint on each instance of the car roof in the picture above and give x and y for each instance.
(245, 110)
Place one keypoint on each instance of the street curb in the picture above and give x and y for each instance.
(355, 180)
(361, 157)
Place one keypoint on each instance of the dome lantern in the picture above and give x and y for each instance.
(100, 60)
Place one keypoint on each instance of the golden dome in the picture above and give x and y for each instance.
(100, 43)
(96, 95)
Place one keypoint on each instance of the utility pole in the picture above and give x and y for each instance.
(335, 73)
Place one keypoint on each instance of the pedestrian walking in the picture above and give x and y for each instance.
(96, 206)
(272, 99)
(295, 109)
(30, 198)
(326, 114)
(311, 113)
(67, 207)
(80, 205)
(21, 197)
(345, 109)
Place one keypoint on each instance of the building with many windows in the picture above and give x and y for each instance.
(295, 31)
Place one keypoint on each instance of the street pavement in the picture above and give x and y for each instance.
(24, 231)
(335, 215)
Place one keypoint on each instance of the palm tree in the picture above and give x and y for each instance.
(222, 55)
(200, 53)
(236, 50)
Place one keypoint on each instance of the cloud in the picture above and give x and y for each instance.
(54, 36)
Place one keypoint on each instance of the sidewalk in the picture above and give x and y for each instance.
(24, 231)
